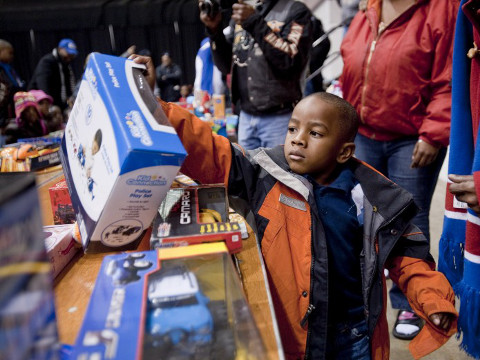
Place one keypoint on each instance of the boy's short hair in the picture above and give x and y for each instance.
(98, 137)
(347, 115)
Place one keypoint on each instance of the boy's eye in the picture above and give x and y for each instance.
(315, 134)
(291, 129)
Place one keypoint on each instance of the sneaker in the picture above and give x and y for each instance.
(407, 326)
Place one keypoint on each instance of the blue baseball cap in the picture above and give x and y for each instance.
(69, 45)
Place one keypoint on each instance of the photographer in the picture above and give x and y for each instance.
(266, 48)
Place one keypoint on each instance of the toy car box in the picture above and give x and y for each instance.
(182, 303)
(28, 327)
(32, 156)
(119, 154)
(60, 246)
(193, 215)
(62, 209)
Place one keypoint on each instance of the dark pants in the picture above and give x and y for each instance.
(348, 341)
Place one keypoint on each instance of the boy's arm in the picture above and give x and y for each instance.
(209, 155)
(211, 158)
(412, 268)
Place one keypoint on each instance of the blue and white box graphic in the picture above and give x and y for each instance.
(119, 153)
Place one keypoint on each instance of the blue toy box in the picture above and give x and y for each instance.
(119, 154)
(174, 303)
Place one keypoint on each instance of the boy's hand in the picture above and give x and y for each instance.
(423, 154)
(149, 73)
(442, 320)
(463, 187)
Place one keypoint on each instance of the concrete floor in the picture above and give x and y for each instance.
(451, 350)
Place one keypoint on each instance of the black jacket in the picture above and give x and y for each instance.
(267, 57)
(50, 75)
(168, 80)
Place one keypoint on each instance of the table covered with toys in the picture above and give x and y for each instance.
(135, 260)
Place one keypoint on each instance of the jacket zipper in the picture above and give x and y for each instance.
(370, 55)
(367, 67)
(376, 241)
(311, 307)
(370, 280)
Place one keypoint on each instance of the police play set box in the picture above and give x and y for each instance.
(119, 154)
(193, 215)
(172, 303)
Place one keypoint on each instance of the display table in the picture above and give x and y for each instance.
(74, 286)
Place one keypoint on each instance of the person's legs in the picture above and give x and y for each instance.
(272, 129)
(349, 341)
(248, 131)
(420, 182)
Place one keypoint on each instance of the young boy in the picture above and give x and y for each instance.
(327, 224)
(86, 159)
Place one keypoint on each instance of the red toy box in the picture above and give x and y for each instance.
(62, 208)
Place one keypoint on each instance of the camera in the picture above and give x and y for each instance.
(210, 7)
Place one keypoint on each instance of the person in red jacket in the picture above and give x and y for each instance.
(397, 58)
(327, 225)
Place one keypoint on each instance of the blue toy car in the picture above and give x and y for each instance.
(182, 322)
(178, 318)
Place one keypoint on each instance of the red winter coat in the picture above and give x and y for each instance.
(398, 78)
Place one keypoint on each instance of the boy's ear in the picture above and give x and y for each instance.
(346, 152)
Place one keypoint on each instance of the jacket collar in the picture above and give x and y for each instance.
(387, 197)
(373, 8)
(274, 163)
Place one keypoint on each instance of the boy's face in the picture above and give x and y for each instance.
(95, 147)
(30, 115)
(314, 143)
(6, 54)
(44, 106)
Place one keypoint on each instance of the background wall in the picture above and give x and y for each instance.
(108, 26)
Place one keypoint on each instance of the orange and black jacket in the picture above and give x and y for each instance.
(287, 224)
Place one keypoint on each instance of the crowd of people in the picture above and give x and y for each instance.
(338, 187)
(36, 109)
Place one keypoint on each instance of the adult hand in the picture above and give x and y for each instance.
(241, 12)
(463, 187)
(149, 73)
(212, 23)
(423, 154)
(442, 320)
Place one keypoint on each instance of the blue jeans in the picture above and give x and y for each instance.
(268, 131)
(393, 159)
(347, 341)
